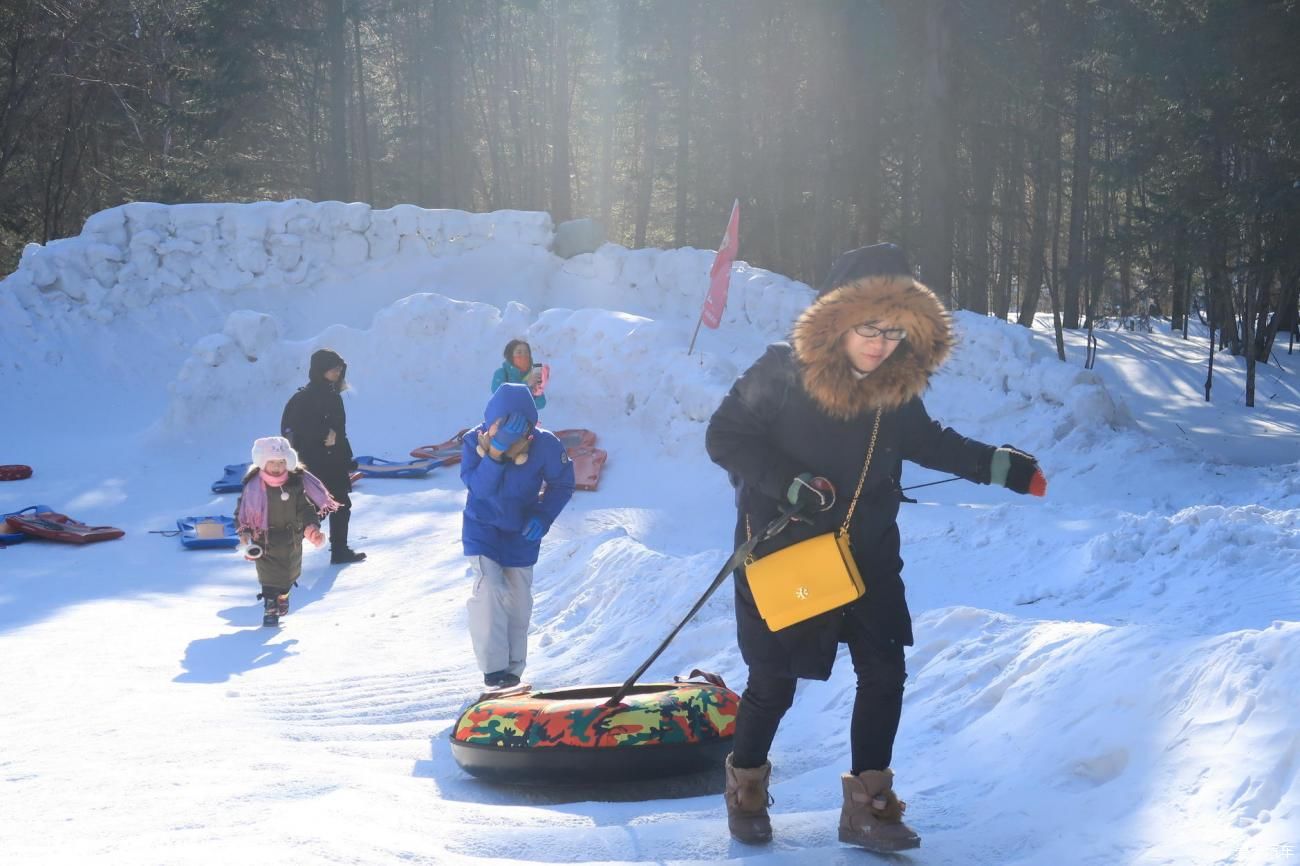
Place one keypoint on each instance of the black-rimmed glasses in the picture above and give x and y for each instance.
(871, 332)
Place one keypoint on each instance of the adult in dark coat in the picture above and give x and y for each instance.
(796, 429)
(315, 422)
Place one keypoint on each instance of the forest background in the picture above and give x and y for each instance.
(1104, 159)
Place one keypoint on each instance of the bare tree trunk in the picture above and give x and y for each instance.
(862, 38)
(1009, 220)
(337, 170)
(1053, 277)
(1125, 250)
(684, 58)
(646, 176)
(907, 162)
(937, 149)
(1047, 153)
(975, 291)
(561, 191)
(1079, 188)
(1211, 289)
(610, 70)
(419, 111)
(363, 120)
(1181, 280)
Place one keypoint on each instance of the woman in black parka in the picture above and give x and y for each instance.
(795, 429)
(315, 423)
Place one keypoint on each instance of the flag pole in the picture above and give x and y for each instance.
(698, 322)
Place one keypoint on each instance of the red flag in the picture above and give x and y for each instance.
(720, 275)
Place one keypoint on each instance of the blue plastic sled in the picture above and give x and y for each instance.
(9, 534)
(377, 467)
(233, 480)
(202, 533)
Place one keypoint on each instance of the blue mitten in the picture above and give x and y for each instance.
(534, 529)
(510, 431)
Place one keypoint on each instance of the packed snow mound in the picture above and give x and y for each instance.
(424, 359)
(1107, 720)
(167, 277)
(428, 356)
(130, 256)
(229, 300)
(1008, 360)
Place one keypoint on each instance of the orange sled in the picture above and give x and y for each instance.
(587, 466)
(576, 438)
(446, 453)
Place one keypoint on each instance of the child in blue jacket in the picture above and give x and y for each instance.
(504, 463)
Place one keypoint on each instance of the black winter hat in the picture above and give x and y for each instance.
(324, 360)
(878, 260)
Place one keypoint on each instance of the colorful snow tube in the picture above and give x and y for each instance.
(570, 736)
(15, 472)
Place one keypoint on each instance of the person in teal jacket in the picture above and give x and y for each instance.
(519, 367)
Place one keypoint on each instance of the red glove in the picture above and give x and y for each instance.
(314, 535)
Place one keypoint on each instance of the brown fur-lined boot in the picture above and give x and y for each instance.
(872, 815)
(747, 802)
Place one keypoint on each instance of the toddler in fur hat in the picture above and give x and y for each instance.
(281, 504)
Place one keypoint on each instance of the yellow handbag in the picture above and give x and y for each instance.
(809, 578)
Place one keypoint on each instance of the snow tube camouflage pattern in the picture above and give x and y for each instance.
(569, 735)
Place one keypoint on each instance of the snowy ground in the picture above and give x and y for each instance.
(1105, 676)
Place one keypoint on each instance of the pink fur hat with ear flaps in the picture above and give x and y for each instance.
(274, 448)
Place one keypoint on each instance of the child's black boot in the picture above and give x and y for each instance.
(270, 609)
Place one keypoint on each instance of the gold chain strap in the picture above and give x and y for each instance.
(871, 449)
(853, 504)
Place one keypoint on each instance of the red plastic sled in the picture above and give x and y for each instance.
(15, 472)
(60, 527)
(446, 453)
(587, 466)
(576, 438)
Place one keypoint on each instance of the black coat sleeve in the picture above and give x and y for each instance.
(740, 437)
(927, 442)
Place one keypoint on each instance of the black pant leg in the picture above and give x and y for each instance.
(881, 670)
(339, 486)
(339, 528)
(762, 705)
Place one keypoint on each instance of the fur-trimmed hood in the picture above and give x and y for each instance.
(824, 367)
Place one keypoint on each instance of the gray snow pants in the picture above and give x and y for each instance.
(499, 611)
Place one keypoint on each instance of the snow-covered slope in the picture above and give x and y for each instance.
(1104, 676)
